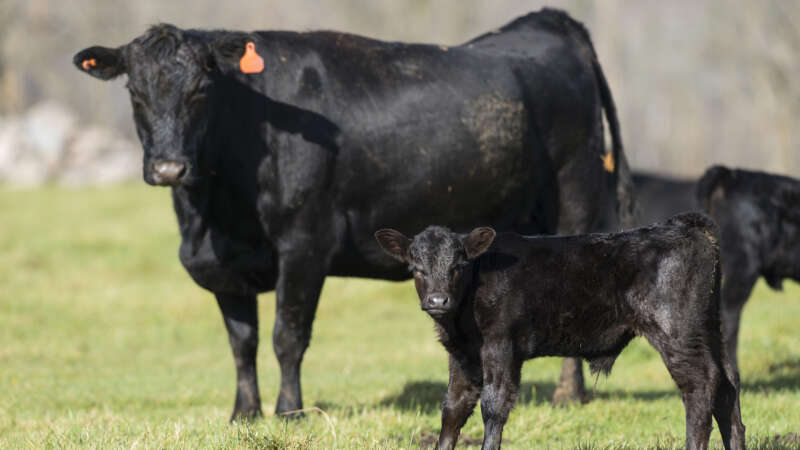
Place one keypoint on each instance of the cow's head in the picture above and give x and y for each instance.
(171, 74)
(440, 261)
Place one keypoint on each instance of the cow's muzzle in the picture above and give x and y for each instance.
(168, 172)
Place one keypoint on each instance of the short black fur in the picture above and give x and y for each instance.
(578, 296)
(279, 178)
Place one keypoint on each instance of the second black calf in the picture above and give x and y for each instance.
(498, 300)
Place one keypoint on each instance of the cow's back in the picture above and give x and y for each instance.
(457, 136)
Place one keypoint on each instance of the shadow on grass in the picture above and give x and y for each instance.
(426, 396)
(778, 383)
(783, 382)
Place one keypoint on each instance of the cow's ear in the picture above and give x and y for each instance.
(394, 243)
(237, 52)
(478, 241)
(100, 62)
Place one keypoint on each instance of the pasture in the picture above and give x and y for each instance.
(106, 342)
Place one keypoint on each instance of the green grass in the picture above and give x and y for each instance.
(105, 342)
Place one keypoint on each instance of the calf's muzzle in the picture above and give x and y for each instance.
(436, 302)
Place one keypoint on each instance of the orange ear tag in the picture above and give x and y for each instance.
(251, 62)
(88, 63)
(608, 162)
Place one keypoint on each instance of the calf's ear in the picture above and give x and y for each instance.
(394, 243)
(478, 241)
(100, 62)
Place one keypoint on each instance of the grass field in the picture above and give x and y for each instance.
(105, 342)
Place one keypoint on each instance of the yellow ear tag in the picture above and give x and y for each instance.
(251, 62)
(608, 162)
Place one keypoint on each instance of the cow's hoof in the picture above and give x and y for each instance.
(291, 415)
(246, 415)
(568, 395)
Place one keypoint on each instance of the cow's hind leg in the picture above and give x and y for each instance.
(240, 314)
(299, 284)
(585, 202)
(570, 384)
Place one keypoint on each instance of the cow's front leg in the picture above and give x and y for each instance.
(300, 280)
(501, 377)
(463, 391)
(240, 313)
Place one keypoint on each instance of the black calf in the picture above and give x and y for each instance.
(498, 300)
(759, 220)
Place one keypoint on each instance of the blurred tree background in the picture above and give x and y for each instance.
(695, 83)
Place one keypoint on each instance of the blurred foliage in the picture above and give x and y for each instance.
(695, 82)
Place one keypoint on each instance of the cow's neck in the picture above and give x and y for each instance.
(224, 198)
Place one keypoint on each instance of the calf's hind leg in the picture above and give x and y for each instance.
(691, 366)
(240, 314)
(726, 404)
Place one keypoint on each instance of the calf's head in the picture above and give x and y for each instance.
(171, 74)
(440, 261)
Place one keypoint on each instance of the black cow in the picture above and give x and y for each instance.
(660, 197)
(279, 177)
(500, 300)
(759, 219)
(759, 223)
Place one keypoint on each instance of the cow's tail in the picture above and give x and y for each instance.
(714, 178)
(616, 162)
(626, 199)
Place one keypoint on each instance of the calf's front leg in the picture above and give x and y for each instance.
(240, 313)
(463, 391)
(501, 377)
